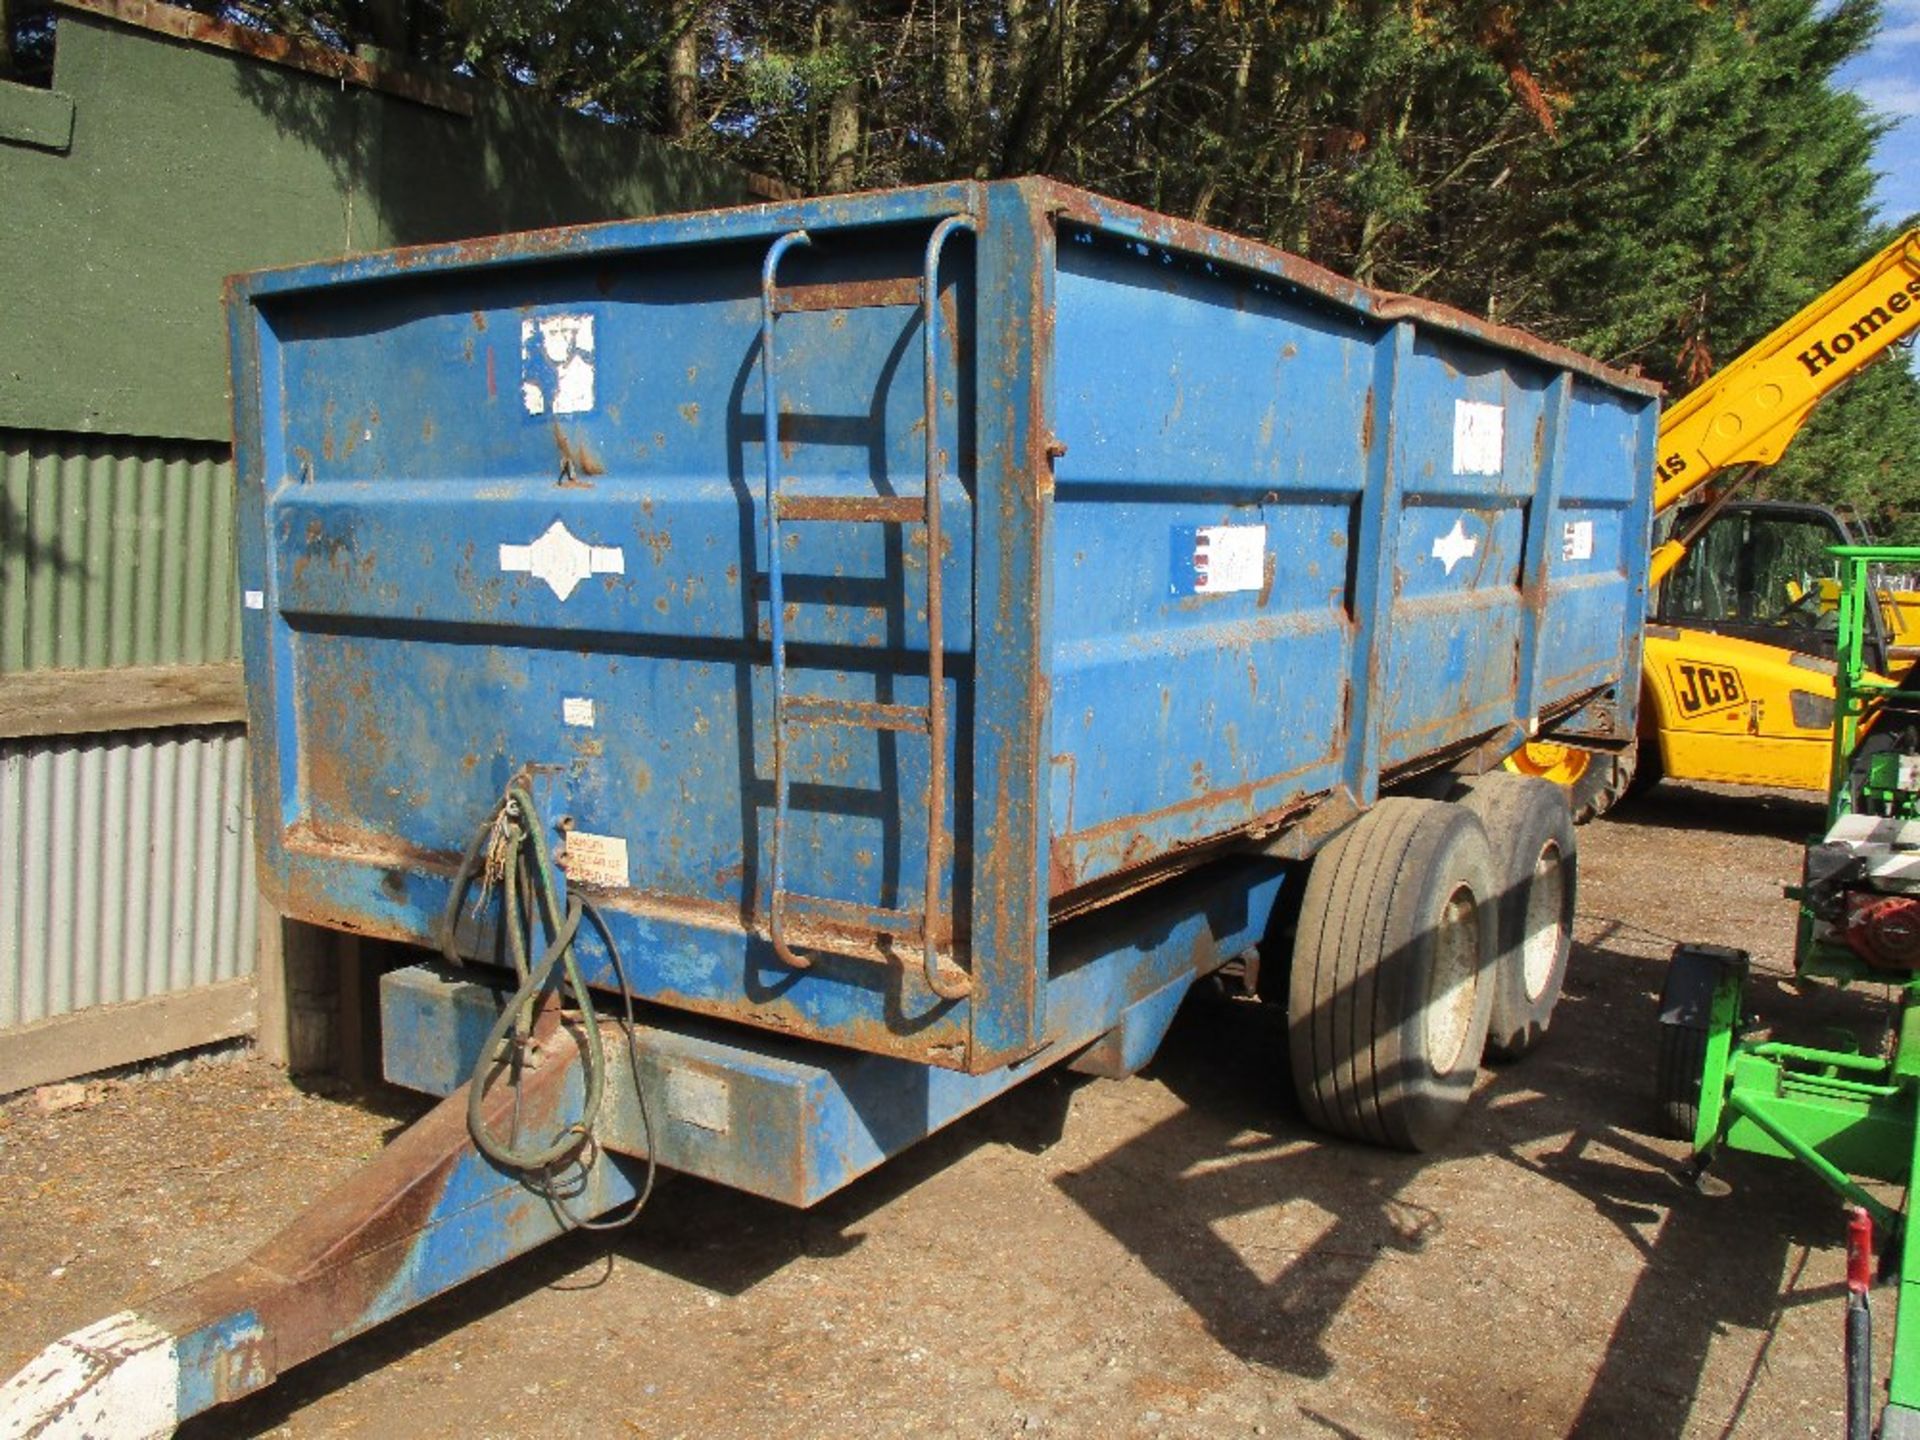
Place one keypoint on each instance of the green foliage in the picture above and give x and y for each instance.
(1657, 182)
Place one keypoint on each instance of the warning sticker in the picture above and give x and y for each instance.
(577, 710)
(595, 860)
(1217, 559)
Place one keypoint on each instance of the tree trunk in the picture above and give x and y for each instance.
(956, 88)
(1026, 81)
(683, 81)
(1228, 139)
(1374, 227)
(842, 161)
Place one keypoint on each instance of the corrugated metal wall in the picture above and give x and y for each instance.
(114, 552)
(126, 859)
(126, 869)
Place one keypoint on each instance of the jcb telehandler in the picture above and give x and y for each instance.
(1738, 679)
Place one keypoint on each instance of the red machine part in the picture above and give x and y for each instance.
(1859, 1324)
(1884, 930)
(1859, 1250)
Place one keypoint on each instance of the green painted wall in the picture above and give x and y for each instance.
(115, 551)
(152, 170)
(187, 164)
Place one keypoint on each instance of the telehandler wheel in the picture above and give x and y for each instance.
(1594, 782)
(1393, 974)
(1608, 780)
(1530, 828)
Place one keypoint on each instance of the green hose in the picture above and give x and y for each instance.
(512, 848)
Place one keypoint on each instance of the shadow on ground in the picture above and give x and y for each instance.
(1728, 809)
(1578, 1113)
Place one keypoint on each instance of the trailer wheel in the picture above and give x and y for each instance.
(1392, 975)
(1530, 828)
(1676, 1079)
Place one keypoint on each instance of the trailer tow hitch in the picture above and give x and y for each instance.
(503, 1164)
(428, 1212)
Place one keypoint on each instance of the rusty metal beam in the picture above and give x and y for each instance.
(848, 295)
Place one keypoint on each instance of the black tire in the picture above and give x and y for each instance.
(1530, 827)
(1647, 770)
(1392, 974)
(1676, 1079)
(1607, 781)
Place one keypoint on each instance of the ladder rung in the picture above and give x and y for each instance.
(859, 714)
(855, 916)
(874, 509)
(848, 295)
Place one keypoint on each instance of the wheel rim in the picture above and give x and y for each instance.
(1544, 934)
(1562, 764)
(1456, 968)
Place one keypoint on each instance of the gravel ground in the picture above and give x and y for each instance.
(1175, 1254)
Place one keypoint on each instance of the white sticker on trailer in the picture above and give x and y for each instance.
(577, 710)
(562, 559)
(556, 364)
(1228, 558)
(1576, 540)
(1479, 437)
(1456, 545)
(590, 859)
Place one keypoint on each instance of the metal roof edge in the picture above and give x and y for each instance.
(446, 92)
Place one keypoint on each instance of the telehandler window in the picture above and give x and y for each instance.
(1758, 569)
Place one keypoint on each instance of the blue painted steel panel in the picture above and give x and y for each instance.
(796, 1120)
(1223, 536)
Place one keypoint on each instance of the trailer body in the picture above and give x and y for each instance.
(933, 628)
(1225, 542)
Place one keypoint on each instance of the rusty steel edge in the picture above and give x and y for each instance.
(906, 205)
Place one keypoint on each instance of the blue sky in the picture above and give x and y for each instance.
(1888, 79)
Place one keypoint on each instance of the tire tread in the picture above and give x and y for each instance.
(1347, 990)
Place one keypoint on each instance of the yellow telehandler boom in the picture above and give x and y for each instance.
(1748, 413)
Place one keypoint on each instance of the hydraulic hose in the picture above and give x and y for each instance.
(511, 850)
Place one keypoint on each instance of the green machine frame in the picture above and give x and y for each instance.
(1845, 1115)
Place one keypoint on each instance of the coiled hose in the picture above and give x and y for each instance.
(511, 851)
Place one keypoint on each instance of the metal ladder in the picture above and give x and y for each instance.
(793, 712)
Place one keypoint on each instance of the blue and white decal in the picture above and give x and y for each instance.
(1217, 559)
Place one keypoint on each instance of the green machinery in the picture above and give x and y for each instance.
(1846, 1114)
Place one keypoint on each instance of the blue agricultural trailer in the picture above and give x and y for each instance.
(809, 668)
